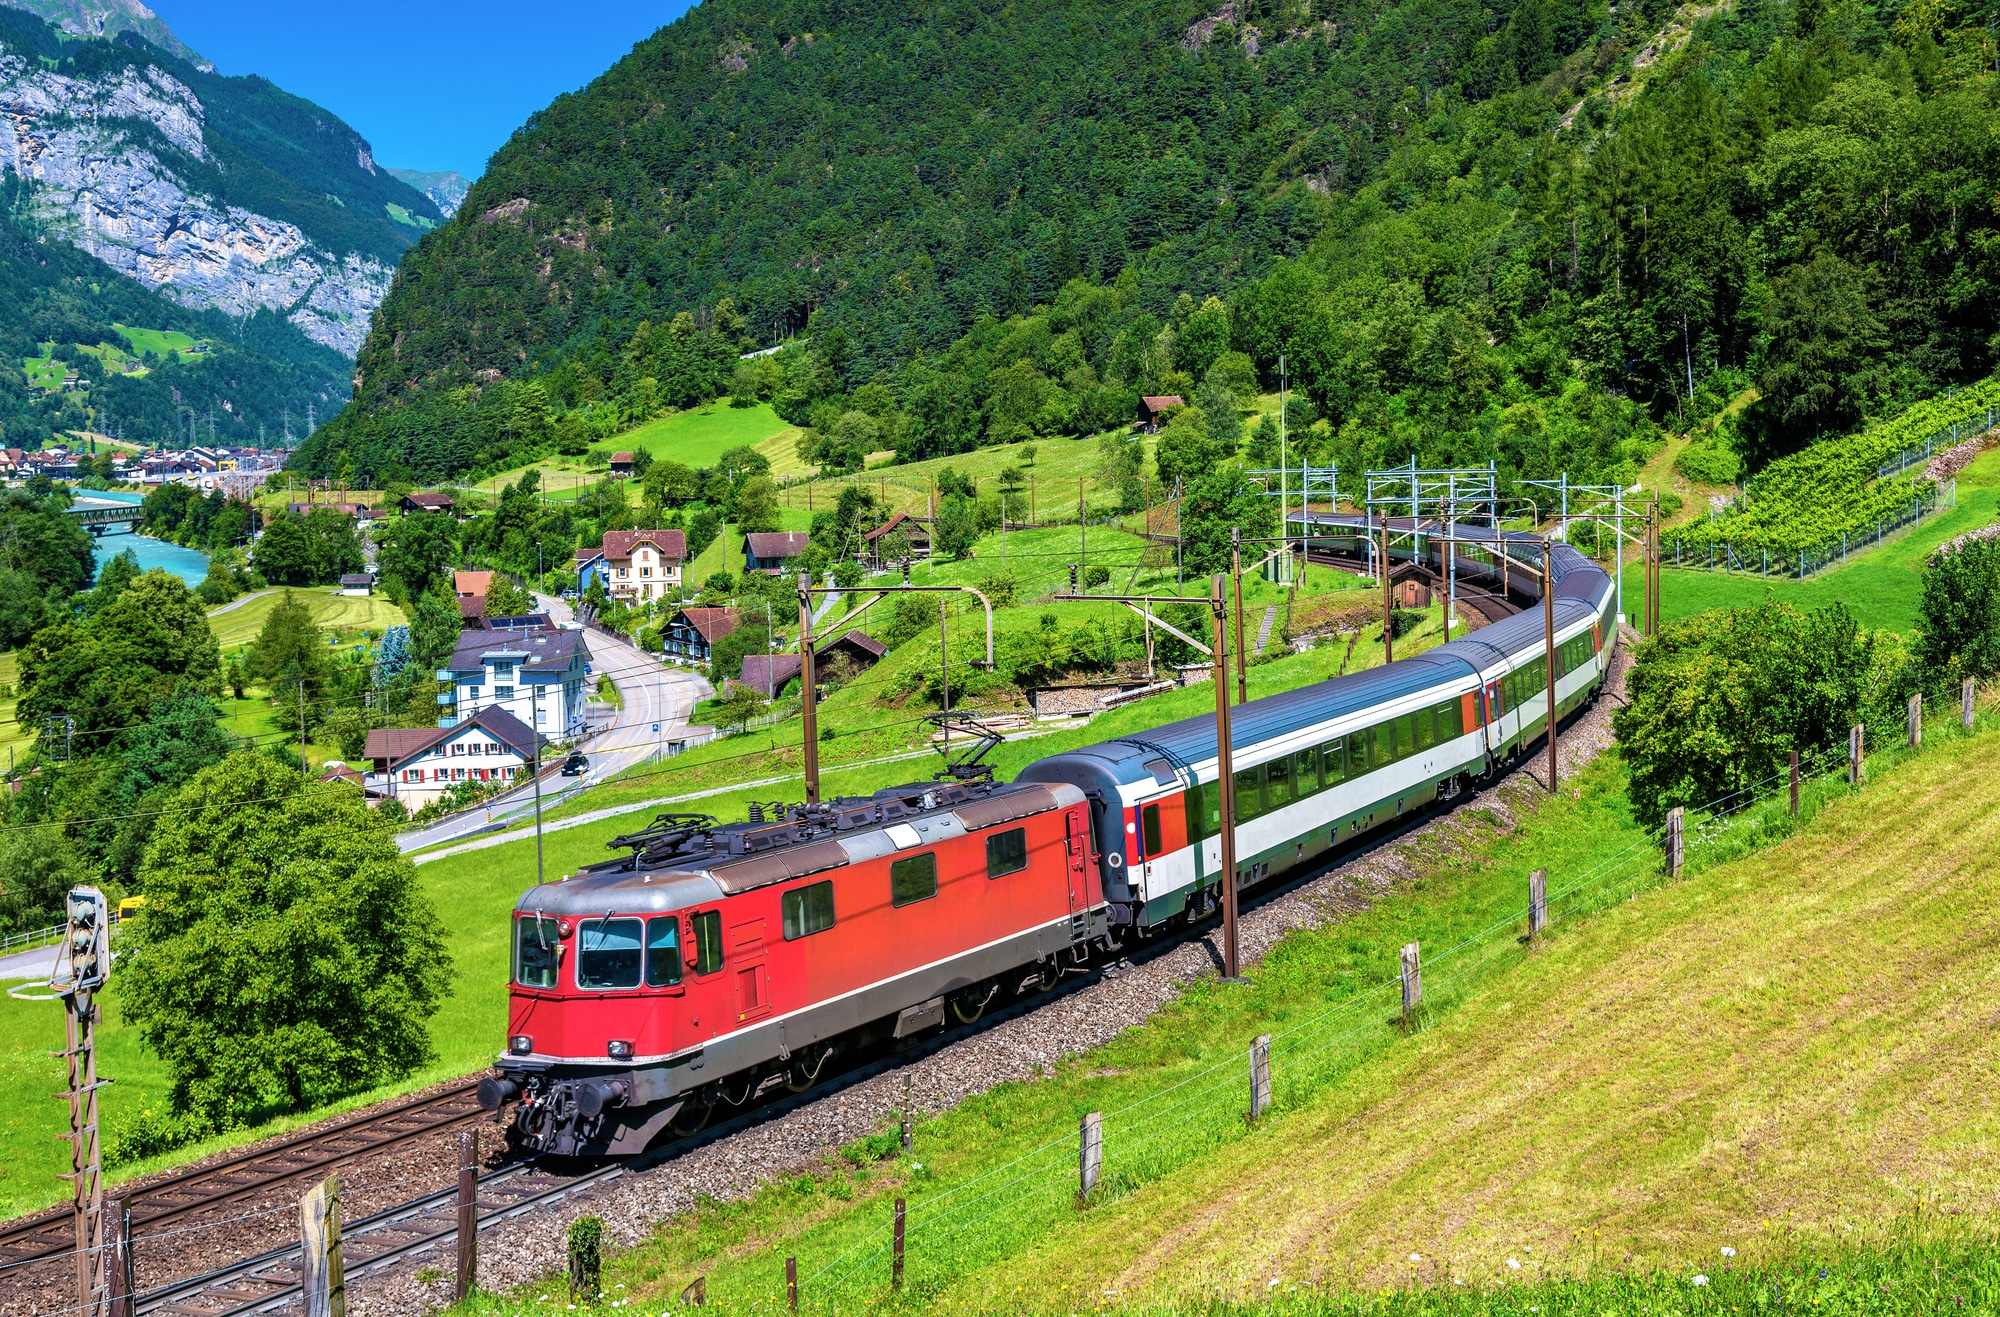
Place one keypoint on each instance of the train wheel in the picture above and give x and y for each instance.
(970, 1005)
(685, 1124)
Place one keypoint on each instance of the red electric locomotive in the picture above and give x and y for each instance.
(719, 958)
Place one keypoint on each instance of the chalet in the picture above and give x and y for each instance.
(916, 531)
(416, 765)
(767, 674)
(691, 634)
(358, 585)
(635, 565)
(356, 511)
(621, 465)
(1153, 408)
(426, 503)
(771, 552)
(537, 674)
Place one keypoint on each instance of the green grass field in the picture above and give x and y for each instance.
(1781, 1054)
(238, 626)
(1878, 585)
(160, 341)
(1052, 477)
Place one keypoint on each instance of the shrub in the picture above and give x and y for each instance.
(1709, 463)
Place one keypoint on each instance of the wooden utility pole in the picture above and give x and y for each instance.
(1225, 781)
(808, 713)
(1082, 535)
(1549, 648)
(468, 1213)
(1236, 580)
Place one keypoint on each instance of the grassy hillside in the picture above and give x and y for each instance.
(1783, 1050)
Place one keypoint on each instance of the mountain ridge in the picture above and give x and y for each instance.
(445, 187)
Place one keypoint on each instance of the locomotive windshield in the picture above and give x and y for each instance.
(535, 946)
(607, 953)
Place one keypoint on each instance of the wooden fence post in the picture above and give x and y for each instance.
(118, 1256)
(1089, 1153)
(468, 1212)
(906, 1111)
(1795, 784)
(1413, 981)
(792, 1284)
(1260, 1076)
(1676, 841)
(896, 1257)
(1916, 720)
(1538, 902)
(1965, 697)
(1855, 745)
(319, 1235)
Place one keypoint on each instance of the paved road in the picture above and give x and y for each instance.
(656, 703)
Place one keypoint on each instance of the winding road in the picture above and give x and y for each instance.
(655, 700)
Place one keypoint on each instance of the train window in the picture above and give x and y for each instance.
(1357, 754)
(1406, 736)
(663, 951)
(1249, 802)
(1278, 783)
(1149, 831)
(1006, 852)
(607, 953)
(1450, 720)
(1204, 811)
(1332, 768)
(1305, 773)
(535, 954)
(707, 941)
(1426, 729)
(808, 909)
(911, 879)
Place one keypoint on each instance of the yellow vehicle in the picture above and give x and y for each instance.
(130, 906)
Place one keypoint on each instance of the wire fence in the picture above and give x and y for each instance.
(1949, 436)
(953, 1232)
(1798, 564)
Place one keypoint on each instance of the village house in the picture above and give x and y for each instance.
(635, 565)
(1153, 407)
(691, 634)
(358, 585)
(425, 503)
(621, 465)
(771, 552)
(901, 528)
(471, 588)
(537, 674)
(416, 765)
(767, 674)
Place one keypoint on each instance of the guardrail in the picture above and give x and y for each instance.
(35, 939)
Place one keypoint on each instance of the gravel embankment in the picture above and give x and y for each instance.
(533, 1246)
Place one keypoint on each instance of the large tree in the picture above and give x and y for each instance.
(286, 956)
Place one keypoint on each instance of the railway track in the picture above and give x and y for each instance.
(1489, 604)
(53, 1233)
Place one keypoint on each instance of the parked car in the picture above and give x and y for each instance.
(576, 765)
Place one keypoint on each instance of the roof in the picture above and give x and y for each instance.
(471, 583)
(471, 607)
(625, 458)
(1160, 402)
(357, 578)
(518, 622)
(541, 650)
(618, 544)
(777, 543)
(711, 623)
(769, 672)
(895, 521)
(428, 500)
(399, 744)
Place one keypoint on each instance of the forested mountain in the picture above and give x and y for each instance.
(1528, 232)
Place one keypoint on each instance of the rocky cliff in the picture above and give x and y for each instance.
(445, 187)
(222, 193)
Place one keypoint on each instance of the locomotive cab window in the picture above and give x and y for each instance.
(607, 953)
(1149, 830)
(663, 951)
(808, 910)
(910, 880)
(707, 941)
(1006, 852)
(536, 948)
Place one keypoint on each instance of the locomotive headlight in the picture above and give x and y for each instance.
(619, 1049)
(520, 1044)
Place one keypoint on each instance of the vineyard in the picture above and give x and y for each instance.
(1803, 511)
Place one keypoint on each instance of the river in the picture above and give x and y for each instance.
(188, 564)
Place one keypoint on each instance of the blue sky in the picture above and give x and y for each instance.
(432, 84)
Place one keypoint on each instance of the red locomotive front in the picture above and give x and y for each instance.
(717, 960)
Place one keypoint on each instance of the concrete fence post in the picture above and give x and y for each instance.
(1676, 841)
(1538, 902)
(1413, 981)
(1089, 1153)
(324, 1286)
(1260, 1076)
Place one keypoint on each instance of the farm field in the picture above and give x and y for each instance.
(237, 624)
(160, 341)
(1675, 1074)
(1879, 586)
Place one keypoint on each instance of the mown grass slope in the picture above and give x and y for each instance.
(1785, 1050)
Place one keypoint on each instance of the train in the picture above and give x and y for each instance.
(716, 962)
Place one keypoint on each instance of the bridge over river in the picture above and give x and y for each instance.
(98, 512)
